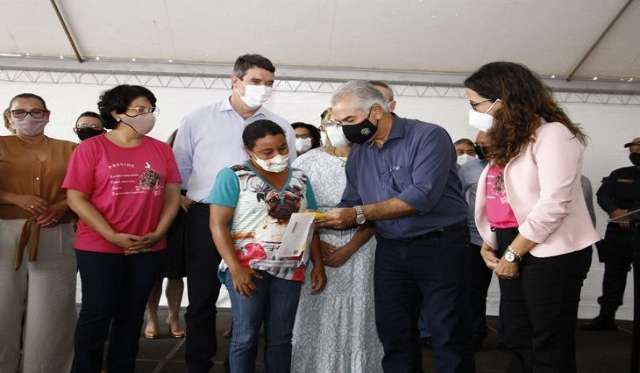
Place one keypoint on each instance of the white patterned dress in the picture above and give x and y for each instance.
(335, 330)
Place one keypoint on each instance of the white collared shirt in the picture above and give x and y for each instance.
(210, 138)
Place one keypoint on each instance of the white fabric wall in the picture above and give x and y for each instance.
(609, 126)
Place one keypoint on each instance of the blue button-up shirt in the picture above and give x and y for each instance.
(417, 164)
(470, 175)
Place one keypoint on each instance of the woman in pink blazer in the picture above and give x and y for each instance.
(531, 214)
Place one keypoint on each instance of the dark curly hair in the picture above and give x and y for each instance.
(118, 99)
(525, 101)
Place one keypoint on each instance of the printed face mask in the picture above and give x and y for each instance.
(361, 132)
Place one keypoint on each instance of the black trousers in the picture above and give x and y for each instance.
(538, 311)
(115, 289)
(480, 281)
(202, 260)
(616, 252)
(432, 271)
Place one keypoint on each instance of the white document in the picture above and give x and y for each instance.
(298, 235)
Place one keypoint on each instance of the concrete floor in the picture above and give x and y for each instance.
(598, 352)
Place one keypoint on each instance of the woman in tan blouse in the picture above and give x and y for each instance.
(37, 263)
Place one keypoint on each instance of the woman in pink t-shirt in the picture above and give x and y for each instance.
(125, 187)
(531, 213)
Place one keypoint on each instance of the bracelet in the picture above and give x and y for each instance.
(515, 253)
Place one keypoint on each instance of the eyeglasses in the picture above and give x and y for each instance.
(92, 126)
(474, 105)
(140, 110)
(21, 114)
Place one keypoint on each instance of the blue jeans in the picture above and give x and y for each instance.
(429, 273)
(274, 302)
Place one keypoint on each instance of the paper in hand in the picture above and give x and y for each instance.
(297, 236)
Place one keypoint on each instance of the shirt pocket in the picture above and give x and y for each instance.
(401, 178)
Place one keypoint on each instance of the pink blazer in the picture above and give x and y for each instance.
(543, 187)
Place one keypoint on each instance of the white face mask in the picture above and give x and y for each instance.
(256, 95)
(276, 164)
(481, 121)
(464, 158)
(302, 145)
(336, 136)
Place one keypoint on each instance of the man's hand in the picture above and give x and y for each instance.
(338, 218)
(52, 215)
(185, 202)
(625, 225)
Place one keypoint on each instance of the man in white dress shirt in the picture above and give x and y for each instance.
(208, 140)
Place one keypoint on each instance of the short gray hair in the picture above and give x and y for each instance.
(364, 93)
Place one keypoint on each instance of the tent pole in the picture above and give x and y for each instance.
(595, 44)
(67, 32)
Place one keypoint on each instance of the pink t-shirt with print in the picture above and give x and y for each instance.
(126, 185)
(499, 212)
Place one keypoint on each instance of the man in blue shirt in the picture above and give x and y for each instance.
(402, 177)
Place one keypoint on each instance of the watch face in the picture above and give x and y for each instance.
(509, 257)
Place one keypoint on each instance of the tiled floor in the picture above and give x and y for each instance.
(598, 352)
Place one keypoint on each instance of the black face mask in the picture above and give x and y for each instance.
(481, 151)
(635, 159)
(86, 133)
(361, 132)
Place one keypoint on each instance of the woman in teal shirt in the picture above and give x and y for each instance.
(251, 205)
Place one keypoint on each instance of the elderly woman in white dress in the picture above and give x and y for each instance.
(335, 330)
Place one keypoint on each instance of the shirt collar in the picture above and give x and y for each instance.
(398, 127)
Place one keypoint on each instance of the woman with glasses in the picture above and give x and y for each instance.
(125, 188)
(531, 214)
(37, 266)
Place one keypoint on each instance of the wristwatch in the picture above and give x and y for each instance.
(511, 255)
(360, 218)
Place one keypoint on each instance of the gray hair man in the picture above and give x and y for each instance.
(402, 177)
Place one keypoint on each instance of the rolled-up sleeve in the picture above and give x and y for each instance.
(183, 151)
(431, 165)
(558, 155)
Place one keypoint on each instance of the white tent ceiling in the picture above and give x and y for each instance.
(415, 37)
